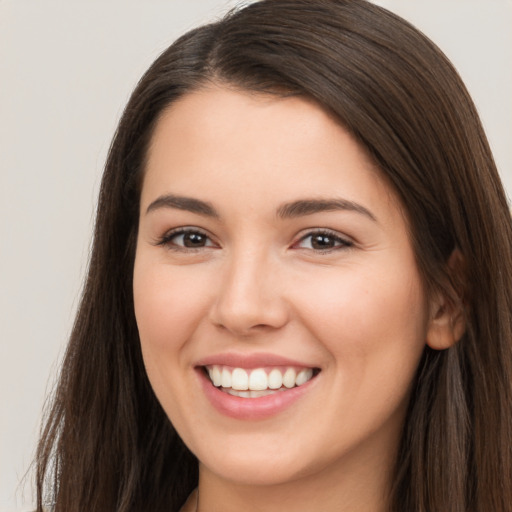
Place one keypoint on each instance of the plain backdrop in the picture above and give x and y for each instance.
(66, 70)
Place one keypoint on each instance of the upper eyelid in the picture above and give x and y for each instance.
(326, 231)
(186, 229)
(165, 238)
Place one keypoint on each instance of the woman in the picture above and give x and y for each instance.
(299, 293)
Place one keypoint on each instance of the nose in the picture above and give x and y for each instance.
(250, 296)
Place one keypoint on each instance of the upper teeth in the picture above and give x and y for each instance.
(258, 379)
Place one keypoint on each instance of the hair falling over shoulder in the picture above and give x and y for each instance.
(107, 445)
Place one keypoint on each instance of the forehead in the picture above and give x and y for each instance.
(220, 143)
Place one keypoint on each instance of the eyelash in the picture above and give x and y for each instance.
(342, 243)
(168, 240)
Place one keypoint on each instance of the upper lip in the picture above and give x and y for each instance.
(249, 361)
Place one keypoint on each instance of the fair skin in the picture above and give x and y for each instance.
(269, 240)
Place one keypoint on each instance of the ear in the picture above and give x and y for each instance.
(447, 321)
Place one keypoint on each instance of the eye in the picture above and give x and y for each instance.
(186, 238)
(323, 241)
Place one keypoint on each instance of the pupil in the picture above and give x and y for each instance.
(322, 242)
(194, 240)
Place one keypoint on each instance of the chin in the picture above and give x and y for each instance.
(252, 472)
(262, 460)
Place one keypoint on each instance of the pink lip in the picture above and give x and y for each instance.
(252, 408)
(250, 361)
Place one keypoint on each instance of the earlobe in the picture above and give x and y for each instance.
(448, 321)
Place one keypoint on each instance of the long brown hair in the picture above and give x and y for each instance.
(107, 444)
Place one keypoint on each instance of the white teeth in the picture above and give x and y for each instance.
(226, 378)
(303, 376)
(256, 382)
(289, 378)
(275, 379)
(216, 376)
(239, 379)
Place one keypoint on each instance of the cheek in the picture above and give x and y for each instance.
(360, 301)
(168, 307)
(373, 324)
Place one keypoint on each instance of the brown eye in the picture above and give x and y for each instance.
(194, 239)
(323, 241)
(184, 238)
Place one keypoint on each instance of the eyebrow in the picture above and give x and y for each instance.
(304, 207)
(183, 203)
(299, 208)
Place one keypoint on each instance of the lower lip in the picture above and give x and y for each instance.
(252, 408)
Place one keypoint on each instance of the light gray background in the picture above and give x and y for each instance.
(66, 70)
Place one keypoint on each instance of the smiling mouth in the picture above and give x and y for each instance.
(258, 382)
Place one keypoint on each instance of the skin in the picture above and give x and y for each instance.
(258, 284)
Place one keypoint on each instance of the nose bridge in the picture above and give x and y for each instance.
(250, 294)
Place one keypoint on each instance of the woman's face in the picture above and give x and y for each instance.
(271, 253)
